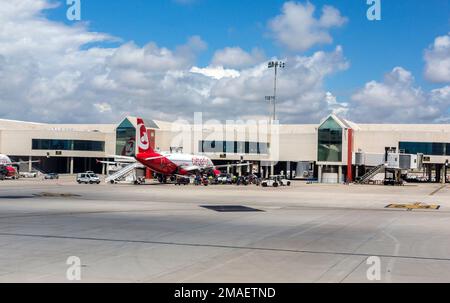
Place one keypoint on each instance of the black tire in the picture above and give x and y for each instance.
(275, 184)
(289, 183)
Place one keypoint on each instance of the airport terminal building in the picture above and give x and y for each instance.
(336, 150)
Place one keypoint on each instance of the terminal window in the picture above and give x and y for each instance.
(426, 148)
(73, 145)
(330, 141)
(125, 136)
(233, 147)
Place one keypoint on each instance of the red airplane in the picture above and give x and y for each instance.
(167, 164)
(8, 169)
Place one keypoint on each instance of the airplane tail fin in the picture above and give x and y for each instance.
(143, 142)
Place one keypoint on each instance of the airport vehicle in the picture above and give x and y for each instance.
(225, 179)
(275, 181)
(51, 176)
(282, 180)
(167, 164)
(182, 181)
(269, 183)
(88, 178)
(28, 174)
(9, 169)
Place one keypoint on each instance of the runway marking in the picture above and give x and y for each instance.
(77, 213)
(222, 246)
(438, 190)
(417, 205)
(56, 195)
(230, 208)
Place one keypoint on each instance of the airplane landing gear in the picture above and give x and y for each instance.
(162, 179)
(139, 181)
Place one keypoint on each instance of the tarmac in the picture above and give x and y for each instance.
(167, 233)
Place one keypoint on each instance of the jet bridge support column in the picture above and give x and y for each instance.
(71, 165)
(30, 164)
(443, 174)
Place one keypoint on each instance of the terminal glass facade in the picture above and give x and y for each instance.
(426, 148)
(125, 139)
(330, 141)
(68, 145)
(233, 147)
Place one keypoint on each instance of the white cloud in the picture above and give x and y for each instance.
(298, 29)
(216, 72)
(103, 107)
(236, 57)
(398, 100)
(50, 72)
(437, 59)
(340, 109)
(301, 96)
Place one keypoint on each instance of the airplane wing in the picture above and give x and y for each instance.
(123, 158)
(155, 158)
(23, 162)
(119, 160)
(108, 162)
(232, 165)
(192, 168)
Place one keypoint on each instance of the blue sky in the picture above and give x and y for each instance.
(373, 48)
(171, 58)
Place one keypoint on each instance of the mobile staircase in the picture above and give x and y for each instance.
(371, 173)
(123, 173)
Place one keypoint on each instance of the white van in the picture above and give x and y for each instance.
(88, 178)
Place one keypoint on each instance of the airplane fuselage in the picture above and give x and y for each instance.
(175, 164)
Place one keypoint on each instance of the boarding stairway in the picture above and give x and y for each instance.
(123, 173)
(371, 173)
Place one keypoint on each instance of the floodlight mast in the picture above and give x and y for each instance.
(275, 65)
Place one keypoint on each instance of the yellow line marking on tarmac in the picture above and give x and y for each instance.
(417, 205)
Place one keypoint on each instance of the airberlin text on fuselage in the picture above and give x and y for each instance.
(200, 161)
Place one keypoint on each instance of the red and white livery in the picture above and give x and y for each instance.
(170, 164)
(8, 168)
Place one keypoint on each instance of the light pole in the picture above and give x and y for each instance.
(275, 65)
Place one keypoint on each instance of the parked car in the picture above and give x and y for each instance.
(275, 181)
(51, 176)
(28, 174)
(269, 183)
(282, 180)
(88, 178)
